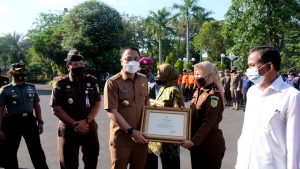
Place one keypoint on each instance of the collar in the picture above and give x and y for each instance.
(15, 84)
(124, 76)
(277, 84)
(71, 78)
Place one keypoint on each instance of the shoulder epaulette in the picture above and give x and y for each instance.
(116, 76)
(7, 85)
(59, 78)
(140, 74)
(91, 76)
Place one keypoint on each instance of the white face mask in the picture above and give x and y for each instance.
(253, 76)
(131, 67)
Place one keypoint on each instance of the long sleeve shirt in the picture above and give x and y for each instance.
(270, 136)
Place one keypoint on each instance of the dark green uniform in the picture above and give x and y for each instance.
(3, 81)
(20, 121)
(77, 99)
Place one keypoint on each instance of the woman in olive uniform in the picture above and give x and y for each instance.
(170, 96)
(207, 146)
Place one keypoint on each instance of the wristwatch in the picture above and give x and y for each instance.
(129, 131)
(89, 120)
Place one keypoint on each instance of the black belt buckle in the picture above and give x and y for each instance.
(24, 114)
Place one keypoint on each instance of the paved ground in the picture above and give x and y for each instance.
(231, 125)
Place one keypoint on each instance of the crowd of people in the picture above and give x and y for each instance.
(269, 139)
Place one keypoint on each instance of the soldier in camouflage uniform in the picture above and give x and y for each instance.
(75, 100)
(207, 145)
(170, 95)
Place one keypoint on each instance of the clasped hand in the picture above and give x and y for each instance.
(81, 126)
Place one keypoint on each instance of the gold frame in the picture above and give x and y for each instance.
(186, 129)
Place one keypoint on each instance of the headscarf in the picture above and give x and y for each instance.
(211, 74)
(168, 74)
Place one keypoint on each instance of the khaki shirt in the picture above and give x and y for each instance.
(129, 97)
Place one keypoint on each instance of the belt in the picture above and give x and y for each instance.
(26, 114)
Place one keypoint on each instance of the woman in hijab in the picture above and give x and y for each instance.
(169, 95)
(207, 145)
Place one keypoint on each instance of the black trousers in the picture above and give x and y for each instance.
(69, 142)
(16, 126)
(152, 161)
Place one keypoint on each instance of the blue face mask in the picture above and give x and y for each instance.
(254, 76)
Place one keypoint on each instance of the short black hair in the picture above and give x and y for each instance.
(131, 48)
(268, 54)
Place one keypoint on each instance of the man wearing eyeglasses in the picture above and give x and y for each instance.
(75, 100)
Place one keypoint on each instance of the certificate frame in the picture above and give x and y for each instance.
(166, 124)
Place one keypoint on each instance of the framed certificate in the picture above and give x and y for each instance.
(165, 124)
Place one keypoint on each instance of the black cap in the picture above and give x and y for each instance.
(73, 55)
(17, 66)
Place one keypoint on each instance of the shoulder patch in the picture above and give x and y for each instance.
(140, 74)
(214, 101)
(114, 77)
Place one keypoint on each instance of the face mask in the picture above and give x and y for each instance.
(200, 81)
(253, 76)
(131, 67)
(78, 71)
(158, 81)
(144, 71)
(19, 77)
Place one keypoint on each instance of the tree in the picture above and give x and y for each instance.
(211, 40)
(186, 11)
(160, 27)
(250, 23)
(46, 45)
(14, 48)
(96, 30)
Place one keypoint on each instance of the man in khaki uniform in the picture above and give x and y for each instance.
(125, 95)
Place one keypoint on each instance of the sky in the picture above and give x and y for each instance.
(19, 15)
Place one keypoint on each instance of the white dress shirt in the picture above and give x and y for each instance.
(270, 137)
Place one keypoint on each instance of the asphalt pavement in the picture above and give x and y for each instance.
(231, 126)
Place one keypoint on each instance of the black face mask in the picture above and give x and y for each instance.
(144, 71)
(200, 81)
(78, 71)
(19, 77)
(158, 81)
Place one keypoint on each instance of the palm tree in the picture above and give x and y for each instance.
(14, 46)
(188, 9)
(159, 23)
